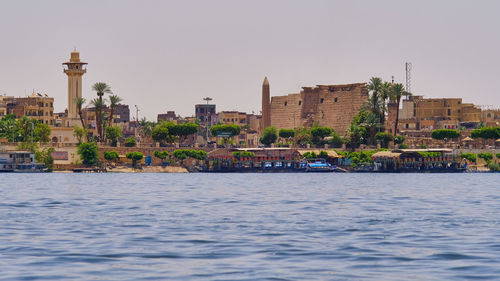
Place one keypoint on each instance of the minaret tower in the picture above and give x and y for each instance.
(266, 105)
(75, 70)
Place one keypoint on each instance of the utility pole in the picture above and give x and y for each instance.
(136, 119)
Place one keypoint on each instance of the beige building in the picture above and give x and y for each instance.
(329, 105)
(419, 113)
(37, 106)
(490, 117)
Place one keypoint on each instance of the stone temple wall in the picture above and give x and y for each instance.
(330, 105)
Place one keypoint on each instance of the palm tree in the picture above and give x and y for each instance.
(374, 86)
(79, 104)
(113, 101)
(385, 91)
(101, 88)
(398, 91)
(98, 103)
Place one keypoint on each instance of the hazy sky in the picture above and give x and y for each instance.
(168, 55)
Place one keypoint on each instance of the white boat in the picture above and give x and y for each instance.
(20, 162)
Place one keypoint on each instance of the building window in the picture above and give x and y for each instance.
(300, 102)
(489, 115)
(459, 111)
(335, 99)
(286, 103)
(321, 100)
(406, 126)
(449, 112)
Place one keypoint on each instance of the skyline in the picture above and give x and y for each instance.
(168, 56)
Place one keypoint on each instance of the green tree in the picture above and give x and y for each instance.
(98, 105)
(161, 154)
(385, 91)
(287, 133)
(9, 128)
(486, 133)
(444, 134)
(181, 131)
(319, 133)
(135, 156)
(336, 141)
(113, 133)
(45, 156)
(80, 102)
(80, 133)
(88, 153)
(145, 128)
(303, 136)
(42, 132)
(130, 142)
(161, 133)
(384, 138)
(111, 155)
(100, 88)
(114, 100)
(230, 129)
(375, 102)
(356, 135)
(269, 136)
(397, 92)
(469, 156)
(399, 139)
(486, 156)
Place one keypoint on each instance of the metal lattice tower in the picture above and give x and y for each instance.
(408, 76)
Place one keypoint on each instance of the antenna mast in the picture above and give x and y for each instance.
(408, 76)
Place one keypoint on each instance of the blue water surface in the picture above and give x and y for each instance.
(249, 227)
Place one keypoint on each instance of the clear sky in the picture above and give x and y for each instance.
(168, 55)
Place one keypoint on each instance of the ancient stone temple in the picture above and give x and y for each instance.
(328, 105)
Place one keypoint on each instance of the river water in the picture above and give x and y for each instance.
(249, 226)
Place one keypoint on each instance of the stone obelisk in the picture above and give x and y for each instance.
(266, 105)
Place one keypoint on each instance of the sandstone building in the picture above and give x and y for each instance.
(329, 105)
(419, 113)
(37, 106)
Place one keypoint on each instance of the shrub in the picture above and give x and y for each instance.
(384, 138)
(323, 154)
(88, 153)
(469, 156)
(232, 130)
(239, 154)
(486, 133)
(286, 133)
(309, 155)
(399, 139)
(113, 133)
(441, 134)
(497, 155)
(422, 146)
(111, 155)
(269, 136)
(403, 146)
(318, 133)
(160, 154)
(494, 167)
(487, 156)
(130, 142)
(337, 140)
(182, 154)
